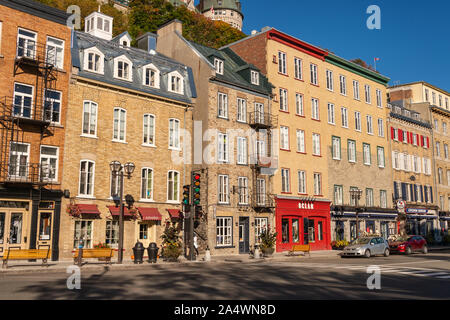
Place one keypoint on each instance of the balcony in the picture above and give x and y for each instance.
(26, 174)
(23, 110)
(29, 53)
(262, 201)
(261, 120)
(264, 164)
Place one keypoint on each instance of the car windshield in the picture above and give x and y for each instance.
(361, 241)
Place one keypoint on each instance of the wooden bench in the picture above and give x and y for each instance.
(25, 254)
(306, 248)
(101, 254)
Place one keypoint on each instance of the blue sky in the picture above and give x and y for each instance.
(413, 43)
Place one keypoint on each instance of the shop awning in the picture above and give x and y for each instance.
(88, 209)
(174, 213)
(115, 211)
(420, 217)
(365, 215)
(150, 214)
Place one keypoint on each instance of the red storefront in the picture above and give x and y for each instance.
(302, 222)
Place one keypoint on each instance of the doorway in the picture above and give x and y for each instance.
(146, 232)
(45, 229)
(13, 229)
(244, 230)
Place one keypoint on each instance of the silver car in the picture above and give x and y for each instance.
(366, 247)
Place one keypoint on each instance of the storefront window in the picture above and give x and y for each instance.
(385, 230)
(224, 231)
(311, 231)
(260, 226)
(429, 227)
(352, 230)
(285, 230)
(45, 224)
(112, 233)
(83, 230)
(370, 227)
(319, 231)
(2, 227)
(295, 231)
(143, 231)
(339, 230)
(15, 230)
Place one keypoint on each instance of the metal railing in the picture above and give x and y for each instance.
(26, 173)
(25, 108)
(264, 161)
(262, 200)
(261, 119)
(37, 53)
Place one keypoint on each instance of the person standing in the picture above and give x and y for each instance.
(195, 243)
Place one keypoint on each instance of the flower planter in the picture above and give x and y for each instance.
(267, 252)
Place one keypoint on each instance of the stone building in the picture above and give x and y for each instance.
(128, 105)
(232, 142)
(34, 81)
(229, 11)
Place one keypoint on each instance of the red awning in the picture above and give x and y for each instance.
(88, 208)
(115, 211)
(150, 214)
(174, 213)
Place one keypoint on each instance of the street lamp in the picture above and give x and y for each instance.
(116, 170)
(356, 194)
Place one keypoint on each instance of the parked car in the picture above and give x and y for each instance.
(409, 244)
(366, 247)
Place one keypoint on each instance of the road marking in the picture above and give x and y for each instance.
(446, 277)
(435, 274)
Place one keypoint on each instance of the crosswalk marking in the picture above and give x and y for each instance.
(446, 277)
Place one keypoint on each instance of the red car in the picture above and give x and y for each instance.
(409, 244)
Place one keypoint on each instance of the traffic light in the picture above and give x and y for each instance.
(186, 199)
(196, 188)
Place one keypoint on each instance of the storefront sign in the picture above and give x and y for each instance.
(412, 210)
(306, 205)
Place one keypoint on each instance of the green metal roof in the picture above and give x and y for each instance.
(206, 5)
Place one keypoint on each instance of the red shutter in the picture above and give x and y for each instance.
(428, 142)
(392, 133)
(422, 141)
(400, 135)
(411, 138)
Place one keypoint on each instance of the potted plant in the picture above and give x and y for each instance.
(171, 245)
(267, 240)
(101, 245)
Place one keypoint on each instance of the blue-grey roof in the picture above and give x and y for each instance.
(139, 58)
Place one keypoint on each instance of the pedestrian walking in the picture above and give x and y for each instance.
(195, 243)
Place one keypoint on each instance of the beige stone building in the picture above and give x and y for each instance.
(127, 105)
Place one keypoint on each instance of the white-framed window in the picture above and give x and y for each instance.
(379, 99)
(444, 128)
(367, 93)
(415, 142)
(123, 68)
(218, 64)
(173, 186)
(223, 185)
(301, 182)
(316, 144)
(433, 94)
(445, 151)
(285, 181)
(436, 125)
(338, 195)
(83, 230)
(224, 231)
(395, 160)
(284, 138)
(416, 164)
(52, 106)
(336, 148)
(254, 77)
(315, 109)
(356, 89)
(438, 149)
(19, 157)
(427, 97)
(176, 83)
(222, 147)
(380, 128)
(331, 119)
(440, 101)
(283, 100)
(147, 184)
(151, 76)
(149, 130)
(89, 127)
(174, 134)
(298, 65)
(49, 163)
(343, 85)
(259, 113)
(260, 191)
(26, 43)
(369, 125)
(317, 184)
(369, 197)
(381, 159)
(55, 52)
(222, 105)
(87, 173)
(313, 69)
(395, 134)
(301, 141)
(330, 84)
(241, 150)
(23, 100)
(344, 117)
(351, 151)
(299, 109)
(94, 60)
(357, 121)
(260, 147)
(243, 190)
(366, 154)
(119, 125)
(260, 226)
(440, 177)
(383, 198)
(282, 62)
(241, 110)
(112, 233)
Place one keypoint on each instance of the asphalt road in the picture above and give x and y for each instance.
(402, 277)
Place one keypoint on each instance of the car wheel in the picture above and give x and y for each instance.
(367, 253)
(386, 252)
(408, 250)
(425, 250)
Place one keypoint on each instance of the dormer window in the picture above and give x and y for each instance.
(99, 25)
(93, 60)
(407, 113)
(176, 83)
(125, 43)
(123, 68)
(254, 77)
(218, 64)
(151, 76)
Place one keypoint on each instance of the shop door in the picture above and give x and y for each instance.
(13, 229)
(146, 232)
(291, 233)
(244, 229)
(316, 233)
(44, 237)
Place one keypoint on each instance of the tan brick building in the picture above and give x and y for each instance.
(127, 105)
(234, 157)
(35, 64)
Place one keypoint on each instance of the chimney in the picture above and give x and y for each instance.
(99, 25)
(170, 27)
(147, 42)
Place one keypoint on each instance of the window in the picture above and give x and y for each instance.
(381, 160)
(434, 98)
(149, 129)
(282, 62)
(93, 60)
(331, 119)
(299, 104)
(379, 99)
(176, 83)
(285, 184)
(223, 189)
(414, 139)
(330, 84)
(90, 118)
(87, 170)
(301, 182)
(427, 97)
(369, 197)
(344, 117)
(26, 44)
(260, 148)
(357, 121)
(351, 151)
(343, 85)
(356, 89)
(440, 101)
(241, 110)
(243, 190)
(151, 76)
(313, 69)
(444, 128)
(317, 184)
(147, 184)
(23, 100)
(380, 128)
(446, 151)
(119, 126)
(298, 69)
(446, 99)
(336, 149)
(259, 113)
(440, 179)
(284, 138)
(261, 191)
(224, 235)
(242, 150)
(366, 152)
(436, 125)
(438, 149)
(83, 230)
(367, 93)
(112, 233)
(173, 186)
(222, 105)
(55, 52)
(49, 163)
(315, 109)
(369, 125)
(316, 144)
(301, 141)
(222, 147)
(260, 226)
(45, 226)
(338, 195)
(19, 159)
(122, 69)
(254, 76)
(218, 64)
(283, 100)
(174, 134)
(52, 106)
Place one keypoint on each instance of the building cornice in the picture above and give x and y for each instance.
(37, 9)
(407, 119)
(422, 83)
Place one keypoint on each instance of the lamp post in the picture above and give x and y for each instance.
(118, 170)
(355, 194)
